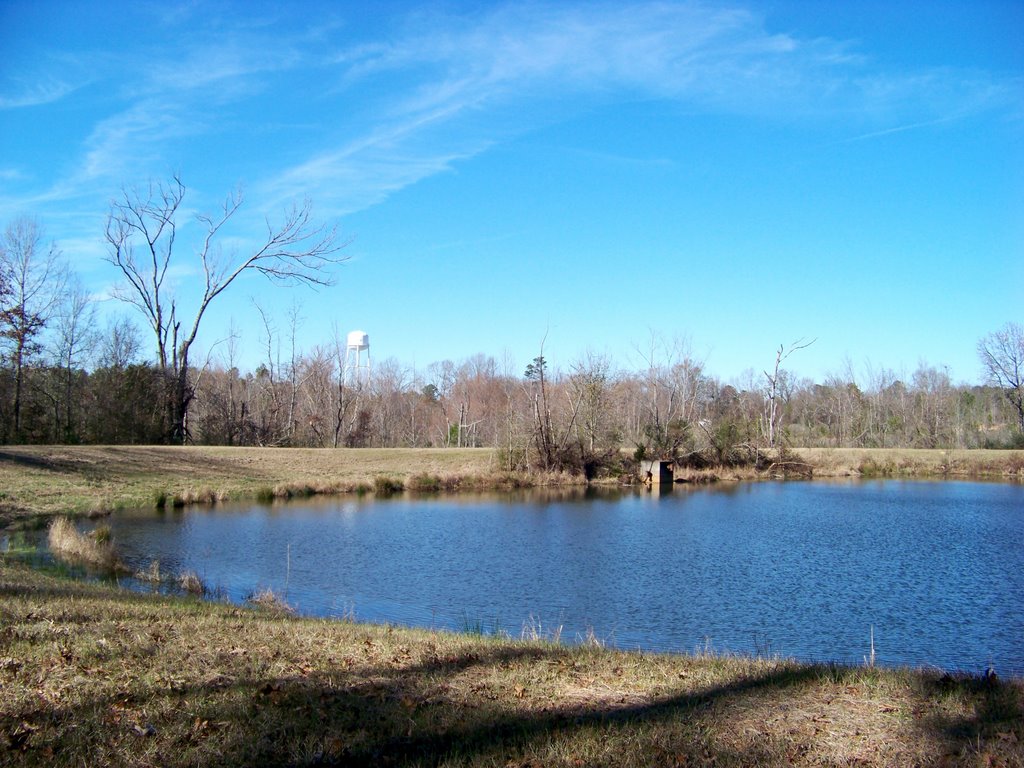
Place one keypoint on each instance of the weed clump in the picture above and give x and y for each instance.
(427, 483)
(151, 574)
(190, 582)
(424, 483)
(387, 486)
(290, 491)
(95, 549)
(871, 467)
(268, 600)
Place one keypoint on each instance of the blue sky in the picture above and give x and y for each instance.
(584, 175)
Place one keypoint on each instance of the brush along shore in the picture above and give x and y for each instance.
(93, 675)
(42, 481)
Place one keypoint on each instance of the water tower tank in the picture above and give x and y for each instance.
(357, 370)
(358, 340)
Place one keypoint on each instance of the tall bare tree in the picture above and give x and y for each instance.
(1002, 354)
(31, 282)
(774, 390)
(76, 338)
(141, 233)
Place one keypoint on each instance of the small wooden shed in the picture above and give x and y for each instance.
(657, 472)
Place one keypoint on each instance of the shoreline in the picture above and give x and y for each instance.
(40, 482)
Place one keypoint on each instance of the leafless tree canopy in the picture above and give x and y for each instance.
(1002, 354)
(31, 282)
(142, 232)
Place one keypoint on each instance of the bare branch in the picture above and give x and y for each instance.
(297, 252)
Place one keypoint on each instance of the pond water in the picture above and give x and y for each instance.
(934, 571)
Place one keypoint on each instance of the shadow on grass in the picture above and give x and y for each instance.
(389, 713)
(36, 462)
(108, 463)
(368, 700)
(381, 715)
(998, 710)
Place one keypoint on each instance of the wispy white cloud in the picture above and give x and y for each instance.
(132, 138)
(36, 94)
(230, 68)
(902, 128)
(712, 55)
(436, 90)
(163, 100)
(481, 78)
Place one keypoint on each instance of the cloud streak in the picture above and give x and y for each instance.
(434, 90)
(482, 78)
(38, 94)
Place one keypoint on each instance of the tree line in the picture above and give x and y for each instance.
(97, 386)
(63, 379)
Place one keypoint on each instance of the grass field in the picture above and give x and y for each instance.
(90, 675)
(914, 462)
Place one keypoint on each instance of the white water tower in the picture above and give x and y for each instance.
(357, 371)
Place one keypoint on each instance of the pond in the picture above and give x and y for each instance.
(931, 572)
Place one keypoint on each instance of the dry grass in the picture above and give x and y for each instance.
(909, 462)
(93, 676)
(270, 601)
(48, 480)
(190, 582)
(94, 549)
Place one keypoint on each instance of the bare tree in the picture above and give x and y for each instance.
(590, 380)
(670, 391)
(774, 391)
(1002, 354)
(31, 282)
(76, 340)
(120, 344)
(141, 233)
(346, 403)
(543, 435)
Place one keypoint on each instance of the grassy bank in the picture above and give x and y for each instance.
(914, 462)
(41, 481)
(91, 675)
(47, 480)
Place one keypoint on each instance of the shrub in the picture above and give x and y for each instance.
(424, 483)
(101, 535)
(387, 486)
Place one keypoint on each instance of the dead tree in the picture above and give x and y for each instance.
(141, 233)
(773, 414)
